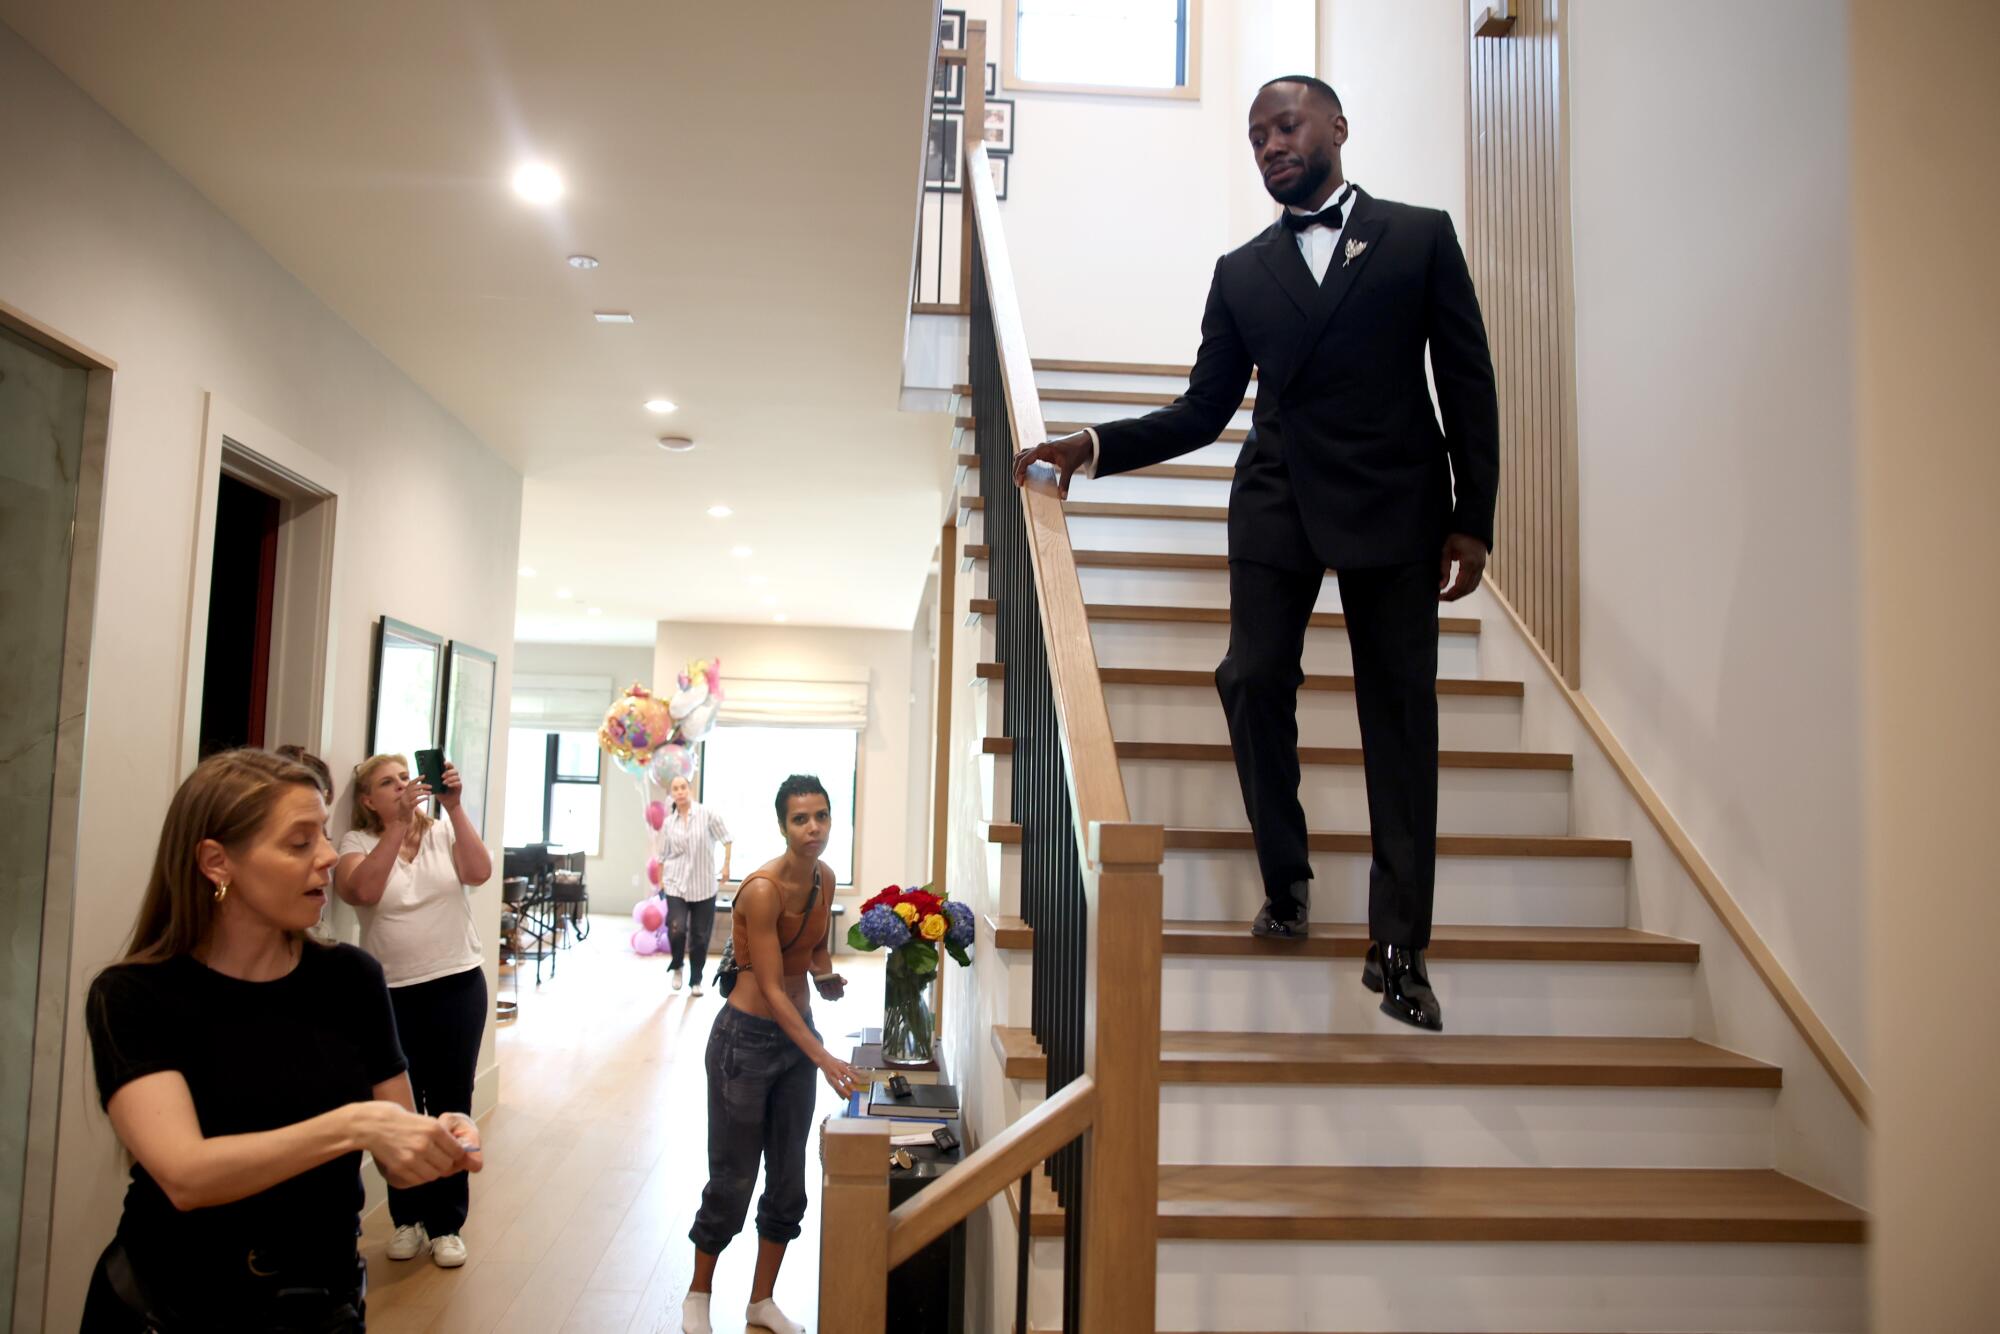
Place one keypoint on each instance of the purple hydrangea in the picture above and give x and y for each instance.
(884, 929)
(959, 931)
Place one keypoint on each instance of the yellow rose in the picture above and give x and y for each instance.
(908, 912)
(933, 927)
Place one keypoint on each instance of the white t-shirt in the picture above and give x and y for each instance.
(421, 928)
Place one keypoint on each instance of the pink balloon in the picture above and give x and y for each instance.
(661, 940)
(656, 813)
(653, 871)
(639, 913)
(651, 914)
(644, 942)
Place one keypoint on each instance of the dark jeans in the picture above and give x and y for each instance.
(440, 1022)
(1392, 627)
(761, 1091)
(689, 926)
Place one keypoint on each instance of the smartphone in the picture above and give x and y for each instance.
(430, 768)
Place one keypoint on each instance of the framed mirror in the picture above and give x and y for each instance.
(403, 712)
(471, 678)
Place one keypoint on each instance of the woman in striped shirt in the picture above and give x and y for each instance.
(689, 879)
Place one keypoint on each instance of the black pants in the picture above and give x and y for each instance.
(1392, 626)
(761, 1093)
(440, 1023)
(331, 1300)
(689, 926)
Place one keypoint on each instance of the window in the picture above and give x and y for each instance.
(741, 768)
(555, 792)
(1145, 47)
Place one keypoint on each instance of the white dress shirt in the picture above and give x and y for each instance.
(1316, 245)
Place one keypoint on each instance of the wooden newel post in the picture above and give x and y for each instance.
(1122, 1161)
(854, 1227)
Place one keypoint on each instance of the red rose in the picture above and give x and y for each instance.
(924, 902)
(887, 898)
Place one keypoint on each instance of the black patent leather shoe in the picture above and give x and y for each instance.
(1406, 989)
(1371, 969)
(1270, 927)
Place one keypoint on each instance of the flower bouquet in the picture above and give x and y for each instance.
(911, 924)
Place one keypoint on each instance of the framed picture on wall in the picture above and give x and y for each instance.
(471, 678)
(992, 78)
(999, 130)
(404, 708)
(951, 29)
(999, 166)
(948, 86)
(944, 156)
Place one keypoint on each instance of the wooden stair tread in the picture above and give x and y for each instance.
(1174, 676)
(1425, 1059)
(1106, 509)
(1321, 620)
(968, 460)
(1090, 557)
(1483, 1204)
(1349, 940)
(1347, 756)
(1235, 435)
(1116, 367)
(1134, 397)
(1183, 837)
(1186, 472)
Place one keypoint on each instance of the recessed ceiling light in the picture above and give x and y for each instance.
(719, 511)
(741, 553)
(676, 444)
(779, 618)
(564, 595)
(538, 183)
(594, 611)
(660, 405)
(612, 316)
(583, 261)
(527, 571)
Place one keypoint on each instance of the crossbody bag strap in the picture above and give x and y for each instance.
(812, 900)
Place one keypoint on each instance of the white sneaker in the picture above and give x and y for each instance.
(696, 989)
(409, 1242)
(448, 1252)
(674, 979)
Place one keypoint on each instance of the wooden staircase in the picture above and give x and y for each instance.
(1568, 1156)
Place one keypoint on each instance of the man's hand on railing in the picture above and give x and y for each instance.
(1066, 453)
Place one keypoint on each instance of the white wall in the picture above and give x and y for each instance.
(1400, 69)
(808, 653)
(1714, 321)
(617, 875)
(102, 241)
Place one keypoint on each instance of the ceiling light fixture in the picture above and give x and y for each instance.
(676, 444)
(538, 183)
(612, 316)
(585, 262)
(564, 595)
(527, 571)
(719, 511)
(661, 405)
(741, 553)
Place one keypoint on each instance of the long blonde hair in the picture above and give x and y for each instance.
(365, 818)
(227, 798)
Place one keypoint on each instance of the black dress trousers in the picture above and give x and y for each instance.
(1392, 627)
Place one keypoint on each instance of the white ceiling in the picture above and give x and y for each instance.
(746, 173)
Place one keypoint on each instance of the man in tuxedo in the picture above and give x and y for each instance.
(1346, 469)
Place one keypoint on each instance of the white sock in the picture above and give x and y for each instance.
(694, 1314)
(767, 1314)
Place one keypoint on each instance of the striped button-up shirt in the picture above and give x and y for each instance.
(687, 852)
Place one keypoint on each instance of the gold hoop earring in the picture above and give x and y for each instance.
(221, 891)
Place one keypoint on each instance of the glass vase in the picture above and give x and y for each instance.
(908, 1027)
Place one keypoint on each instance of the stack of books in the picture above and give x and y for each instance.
(910, 1119)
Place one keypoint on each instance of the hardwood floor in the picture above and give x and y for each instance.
(596, 1156)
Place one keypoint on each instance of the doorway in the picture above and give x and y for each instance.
(242, 594)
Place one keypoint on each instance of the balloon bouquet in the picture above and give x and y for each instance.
(653, 740)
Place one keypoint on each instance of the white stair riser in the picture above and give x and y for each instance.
(1129, 489)
(1056, 408)
(1455, 1125)
(1191, 646)
(1091, 532)
(1326, 717)
(1050, 384)
(1203, 885)
(1235, 995)
(1470, 801)
(1174, 588)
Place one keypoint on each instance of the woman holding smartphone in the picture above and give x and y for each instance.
(762, 1051)
(246, 1067)
(406, 876)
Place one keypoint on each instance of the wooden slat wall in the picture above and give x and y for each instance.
(1518, 245)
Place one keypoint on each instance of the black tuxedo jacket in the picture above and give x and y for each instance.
(1346, 466)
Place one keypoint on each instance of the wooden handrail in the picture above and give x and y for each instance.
(1097, 791)
(1002, 1160)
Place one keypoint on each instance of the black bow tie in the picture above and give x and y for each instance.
(1326, 217)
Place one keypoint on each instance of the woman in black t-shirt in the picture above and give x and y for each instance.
(246, 1068)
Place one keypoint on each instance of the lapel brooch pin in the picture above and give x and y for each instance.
(1353, 248)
